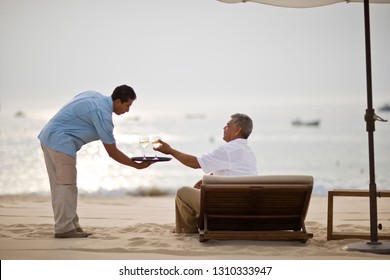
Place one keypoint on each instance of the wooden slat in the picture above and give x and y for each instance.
(254, 211)
(357, 193)
(353, 235)
(257, 235)
(330, 234)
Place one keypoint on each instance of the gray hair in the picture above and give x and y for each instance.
(245, 122)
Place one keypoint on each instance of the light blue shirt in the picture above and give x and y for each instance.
(86, 118)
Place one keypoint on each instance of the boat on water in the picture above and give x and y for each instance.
(384, 108)
(298, 122)
(19, 114)
(195, 116)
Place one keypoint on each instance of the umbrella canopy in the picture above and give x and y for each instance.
(301, 3)
(370, 117)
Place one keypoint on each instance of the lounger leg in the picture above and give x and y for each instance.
(329, 231)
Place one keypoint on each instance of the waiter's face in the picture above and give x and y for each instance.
(121, 108)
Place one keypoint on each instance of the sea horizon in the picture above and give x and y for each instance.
(335, 152)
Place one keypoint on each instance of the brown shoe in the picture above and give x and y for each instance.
(71, 234)
(79, 229)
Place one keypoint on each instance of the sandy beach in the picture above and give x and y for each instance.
(140, 228)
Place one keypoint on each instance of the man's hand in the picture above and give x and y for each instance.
(198, 184)
(186, 159)
(143, 164)
(164, 148)
(120, 157)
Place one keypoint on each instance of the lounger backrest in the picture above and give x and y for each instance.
(255, 202)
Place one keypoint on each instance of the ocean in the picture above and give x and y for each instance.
(335, 153)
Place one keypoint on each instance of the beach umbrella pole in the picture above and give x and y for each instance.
(374, 245)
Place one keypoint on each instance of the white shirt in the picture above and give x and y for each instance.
(235, 158)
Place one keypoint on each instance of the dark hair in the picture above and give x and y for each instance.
(124, 93)
(245, 122)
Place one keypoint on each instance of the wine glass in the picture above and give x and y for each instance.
(155, 143)
(144, 141)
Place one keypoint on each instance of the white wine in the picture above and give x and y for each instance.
(155, 142)
(144, 143)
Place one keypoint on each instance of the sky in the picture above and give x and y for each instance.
(188, 54)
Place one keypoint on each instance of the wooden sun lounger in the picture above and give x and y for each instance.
(255, 207)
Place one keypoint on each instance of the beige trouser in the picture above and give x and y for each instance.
(62, 176)
(187, 207)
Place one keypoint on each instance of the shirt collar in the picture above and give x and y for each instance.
(240, 140)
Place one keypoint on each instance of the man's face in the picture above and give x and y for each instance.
(231, 131)
(121, 108)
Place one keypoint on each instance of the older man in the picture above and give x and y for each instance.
(234, 158)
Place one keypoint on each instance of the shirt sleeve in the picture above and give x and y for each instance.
(104, 128)
(216, 160)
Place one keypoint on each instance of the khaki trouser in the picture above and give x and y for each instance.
(62, 172)
(187, 207)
